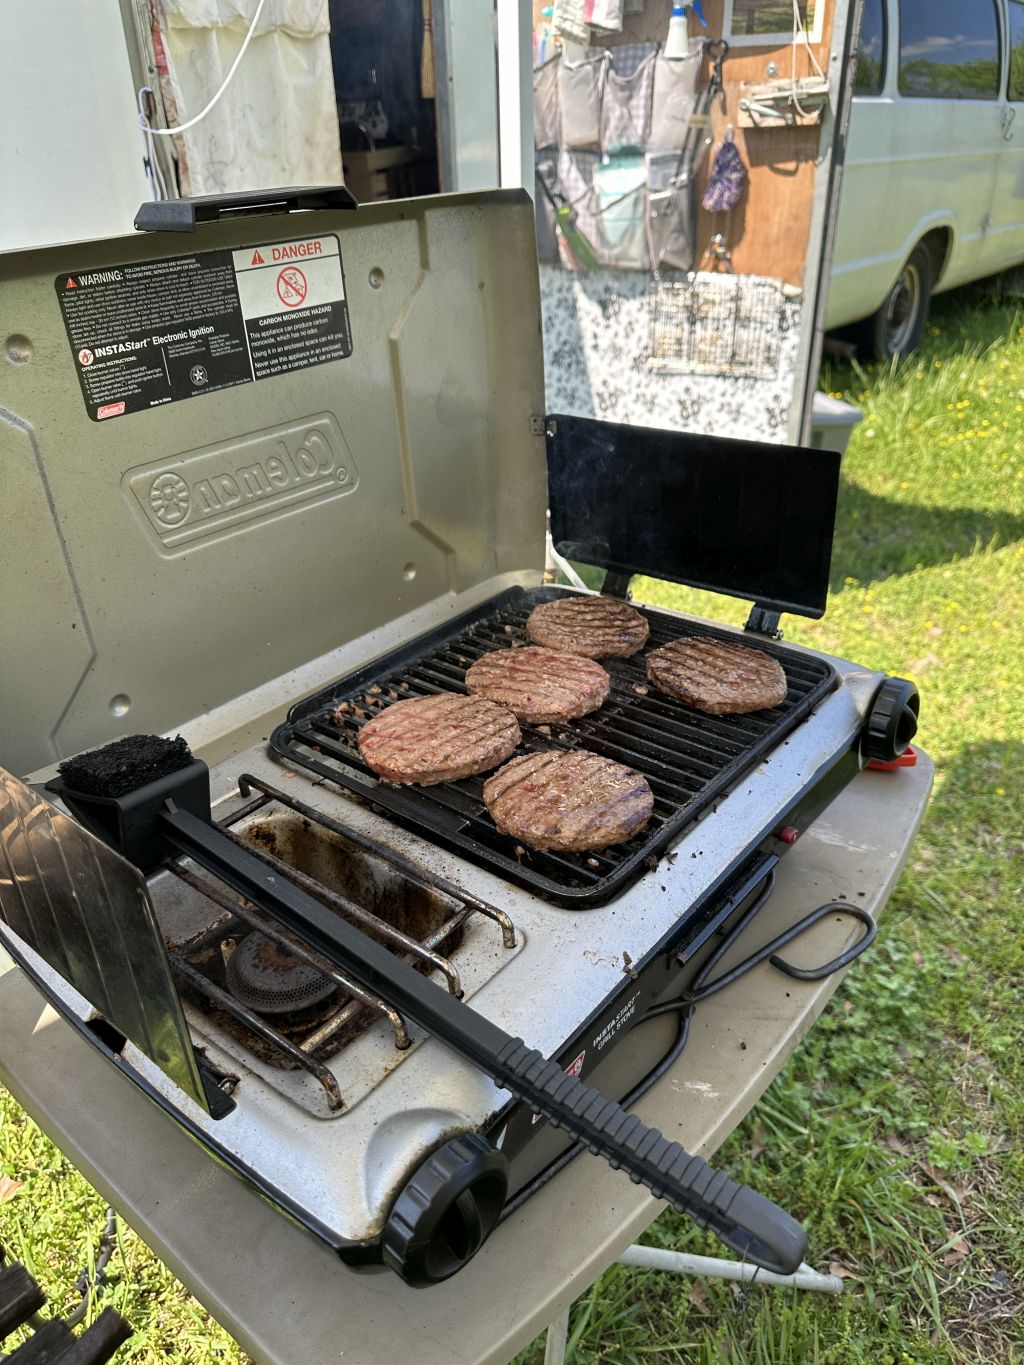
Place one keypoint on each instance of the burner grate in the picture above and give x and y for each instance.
(283, 1001)
(689, 759)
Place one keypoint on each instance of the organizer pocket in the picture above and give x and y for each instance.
(576, 181)
(626, 109)
(620, 203)
(546, 131)
(671, 213)
(580, 94)
(674, 100)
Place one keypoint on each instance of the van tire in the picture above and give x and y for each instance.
(895, 330)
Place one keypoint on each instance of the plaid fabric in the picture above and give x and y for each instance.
(626, 57)
(628, 95)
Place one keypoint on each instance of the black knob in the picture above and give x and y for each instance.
(447, 1210)
(892, 720)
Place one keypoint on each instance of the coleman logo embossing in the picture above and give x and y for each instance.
(202, 493)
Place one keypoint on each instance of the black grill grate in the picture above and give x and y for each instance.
(688, 758)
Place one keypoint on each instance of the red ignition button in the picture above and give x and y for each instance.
(908, 759)
(788, 834)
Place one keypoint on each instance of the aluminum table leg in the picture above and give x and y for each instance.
(706, 1267)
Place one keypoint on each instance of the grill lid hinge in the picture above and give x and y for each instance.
(616, 584)
(763, 621)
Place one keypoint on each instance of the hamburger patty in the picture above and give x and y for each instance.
(570, 801)
(539, 684)
(718, 678)
(438, 739)
(594, 627)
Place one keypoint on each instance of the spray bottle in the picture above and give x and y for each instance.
(677, 43)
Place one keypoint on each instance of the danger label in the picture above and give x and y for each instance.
(155, 332)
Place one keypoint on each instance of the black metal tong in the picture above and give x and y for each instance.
(171, 815)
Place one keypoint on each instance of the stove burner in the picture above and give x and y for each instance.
(270, 980)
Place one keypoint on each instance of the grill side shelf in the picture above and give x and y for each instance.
(691, 760)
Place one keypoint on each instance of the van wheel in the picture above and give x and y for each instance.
(896, 328)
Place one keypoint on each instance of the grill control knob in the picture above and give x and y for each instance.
(447, 1210)
(892, 720)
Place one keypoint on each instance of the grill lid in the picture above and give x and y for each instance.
(187, 553)
(743, 518)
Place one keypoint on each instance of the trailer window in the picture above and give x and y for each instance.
(1016, 87)
(949, 50)
(870, 75)
(747, 20)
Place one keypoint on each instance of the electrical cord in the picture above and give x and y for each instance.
(86, 1283)
(799, 31)
(191, 123)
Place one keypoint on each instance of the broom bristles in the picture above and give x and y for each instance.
(428, 77)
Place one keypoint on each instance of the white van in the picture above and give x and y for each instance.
(933, 189)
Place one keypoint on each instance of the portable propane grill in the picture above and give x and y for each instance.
(329, 506)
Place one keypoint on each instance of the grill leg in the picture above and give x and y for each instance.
(711, 1268)
(707, 1267)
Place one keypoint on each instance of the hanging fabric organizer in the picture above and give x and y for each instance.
(611, 133)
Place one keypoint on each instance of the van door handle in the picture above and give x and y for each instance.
(1009, 118)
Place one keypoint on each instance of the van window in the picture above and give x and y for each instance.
(949, 49)
(1016, 12)
(870, 76)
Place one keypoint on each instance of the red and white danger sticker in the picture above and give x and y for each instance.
(288, 277)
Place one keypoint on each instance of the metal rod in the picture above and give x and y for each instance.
(231, 900)
(343, 906)
(255, 1023)
(421, 876)
(710, 1267)
(334, 1025)
(556, 1340)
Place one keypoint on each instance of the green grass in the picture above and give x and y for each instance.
(895, 1133)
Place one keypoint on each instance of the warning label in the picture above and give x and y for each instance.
(156, 332)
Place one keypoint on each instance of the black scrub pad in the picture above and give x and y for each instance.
(125, 765)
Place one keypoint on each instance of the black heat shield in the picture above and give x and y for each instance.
(742, 518)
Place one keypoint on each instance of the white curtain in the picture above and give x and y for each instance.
(276, 124)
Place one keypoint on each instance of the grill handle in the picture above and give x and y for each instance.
(744, 1220)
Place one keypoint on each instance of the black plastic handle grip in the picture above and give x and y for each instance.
(753, 1226)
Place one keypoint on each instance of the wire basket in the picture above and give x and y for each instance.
(717, 324)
